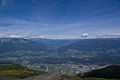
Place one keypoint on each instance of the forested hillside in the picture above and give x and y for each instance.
(21, 50)
(14, 44)
(98, 48)
(111, 72)
(86, 45)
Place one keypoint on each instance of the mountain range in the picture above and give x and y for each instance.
(55, 51)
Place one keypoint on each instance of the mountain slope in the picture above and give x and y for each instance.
(109, 45)
(112, 72)
(23, 50)
(92, 51)
(14, 44)
(8, 70)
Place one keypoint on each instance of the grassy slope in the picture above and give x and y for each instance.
(15, 71)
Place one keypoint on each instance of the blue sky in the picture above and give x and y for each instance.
(60, 18)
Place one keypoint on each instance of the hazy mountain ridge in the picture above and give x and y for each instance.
(19, 50)
(14, 44)
(107, 45)
(95, 44)
(55, 42)
(93, 51)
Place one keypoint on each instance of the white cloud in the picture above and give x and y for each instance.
(5, 35)
(84, 35)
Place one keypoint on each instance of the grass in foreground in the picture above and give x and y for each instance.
(17, 73)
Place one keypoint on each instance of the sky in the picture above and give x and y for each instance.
(59, 18)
